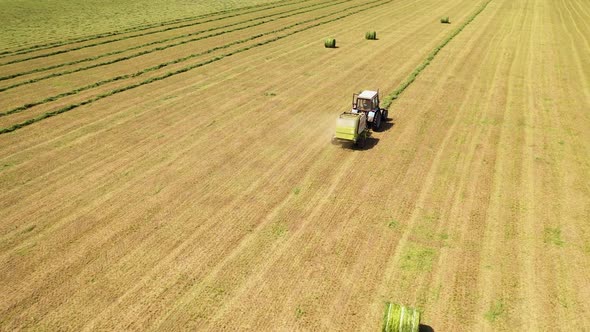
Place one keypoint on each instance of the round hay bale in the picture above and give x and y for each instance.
(371, 35)
(330, 43)
(445, 20)
(398, 318)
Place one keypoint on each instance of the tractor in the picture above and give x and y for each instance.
(365, 114)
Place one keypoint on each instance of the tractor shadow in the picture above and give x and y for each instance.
(425, 328)
(385, 126)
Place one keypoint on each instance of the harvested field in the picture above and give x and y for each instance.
(181, 176)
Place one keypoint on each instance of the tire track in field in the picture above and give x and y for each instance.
(462, 220)
(571, 36)
(176, 314)
(531, 309)
(577, 57)
(40, 47)
(569, 101)
(429, 178)
(499, 300)
(549, 190)
(159, 48)
(131, 36)
(501, 307)
(155, 169)
(169, 74)
(573, 15)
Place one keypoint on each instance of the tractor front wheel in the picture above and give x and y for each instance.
(377, 121)
(385, 114)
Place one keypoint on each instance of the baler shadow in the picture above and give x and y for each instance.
(366, 144)
(425, 328)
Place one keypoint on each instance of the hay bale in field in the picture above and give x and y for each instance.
(371, 35)
(330, 43)
(398, 318)
(445, 20)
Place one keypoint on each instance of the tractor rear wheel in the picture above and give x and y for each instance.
(377, 121)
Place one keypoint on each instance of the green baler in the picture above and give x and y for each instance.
(351, 127)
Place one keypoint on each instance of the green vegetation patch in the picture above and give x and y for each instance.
(278, 229)
(398, 318)
(299, 312)
(496, 310)
(417, 258)
(553, 235)
(393, 224)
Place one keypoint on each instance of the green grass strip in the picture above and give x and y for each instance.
(130, 36)
(197, 65)
(39, 47)
(160, 48)
(388, 100)
(159, 66)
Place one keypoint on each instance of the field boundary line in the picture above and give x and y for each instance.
(132, 36)
(159, 48)
(388, 100)
(173, 73)
(40, 47)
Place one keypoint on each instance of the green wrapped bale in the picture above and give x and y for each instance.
(398, 318)
(330, 43)
(445, 20)
(371, 35)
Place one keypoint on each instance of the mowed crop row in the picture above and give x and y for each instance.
(212, 199)
(48, 25)
(295, 60)
(201, 33)
(134, 32)
(26, 119)
(150, 43)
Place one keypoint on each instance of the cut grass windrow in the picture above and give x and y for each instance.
(388, 100)
(161, 65)
(135, 35)
(40, 47)
(297, 11)
(365, 7)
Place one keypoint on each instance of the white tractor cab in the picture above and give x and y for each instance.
(368, 103)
